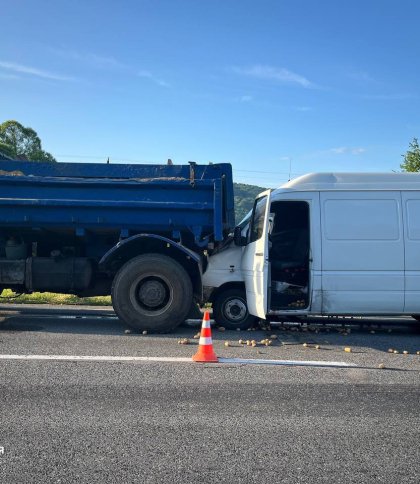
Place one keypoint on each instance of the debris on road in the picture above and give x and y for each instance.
(184, 341)
(347, 349)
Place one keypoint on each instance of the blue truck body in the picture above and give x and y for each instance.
(73, 227)
(123, 198)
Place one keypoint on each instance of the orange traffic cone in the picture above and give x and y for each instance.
(205, 353)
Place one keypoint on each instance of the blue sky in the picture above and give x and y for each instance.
(318, 85)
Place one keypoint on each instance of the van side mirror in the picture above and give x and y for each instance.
(238, 238)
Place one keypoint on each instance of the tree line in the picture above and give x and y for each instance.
(20, 143)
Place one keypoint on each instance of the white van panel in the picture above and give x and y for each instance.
(255, 264)
(411, 204)
(362, 252)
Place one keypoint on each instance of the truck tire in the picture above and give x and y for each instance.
(231, 311)
(152, 292)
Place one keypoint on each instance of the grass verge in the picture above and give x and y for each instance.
(8, 296)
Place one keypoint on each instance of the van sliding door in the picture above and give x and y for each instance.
(362, 252)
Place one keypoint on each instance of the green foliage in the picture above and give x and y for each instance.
(19, 142)
(412, 157)
(8, 296)
(244, 198)
(6, 149)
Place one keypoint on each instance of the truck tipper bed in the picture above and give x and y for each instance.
(138, 232)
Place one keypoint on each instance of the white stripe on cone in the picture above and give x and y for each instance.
(206, 324)
(205, 340)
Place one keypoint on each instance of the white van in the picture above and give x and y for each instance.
(323, 244)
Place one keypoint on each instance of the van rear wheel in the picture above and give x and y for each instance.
(152, 292)
(231, 311)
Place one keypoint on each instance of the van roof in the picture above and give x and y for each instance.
(354, 181)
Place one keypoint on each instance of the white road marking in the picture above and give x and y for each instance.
(334, 364)
(170, 359)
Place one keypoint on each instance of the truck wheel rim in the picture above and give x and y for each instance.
(235, 310)
(151, 294)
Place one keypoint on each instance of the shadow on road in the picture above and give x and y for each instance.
(379, 334)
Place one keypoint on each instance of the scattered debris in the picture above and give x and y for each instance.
(395, 352)
(305, 345)
(197, 336)
(273, 336)
(390, 350)
(300, 303)
(127, 331)
(227, 344)
(221, 329)
(184, 341)
(405, 352)
(347, 349)
(317, 347)
(144, 332)
(381, 366)
(241, 342)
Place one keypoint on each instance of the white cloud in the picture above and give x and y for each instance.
(99, 61)
(361, 76)
(275, 74)
(33, 71)
(156, 80)
(341, 150)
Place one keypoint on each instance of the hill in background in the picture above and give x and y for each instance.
(244, 198)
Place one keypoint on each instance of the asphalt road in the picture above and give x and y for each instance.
(157, 422)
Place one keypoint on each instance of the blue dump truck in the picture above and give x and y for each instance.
(141, 233)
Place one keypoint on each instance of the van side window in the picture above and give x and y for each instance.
(258, 217)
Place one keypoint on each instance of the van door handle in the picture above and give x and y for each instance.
(259, 254)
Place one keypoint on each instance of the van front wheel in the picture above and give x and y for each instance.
(231, 311)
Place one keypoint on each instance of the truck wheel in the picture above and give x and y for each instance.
(230, 310)
(152, 292)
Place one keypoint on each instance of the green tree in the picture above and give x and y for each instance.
(412, 157)
(244, 198)
(19, 142)
(6, 149)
